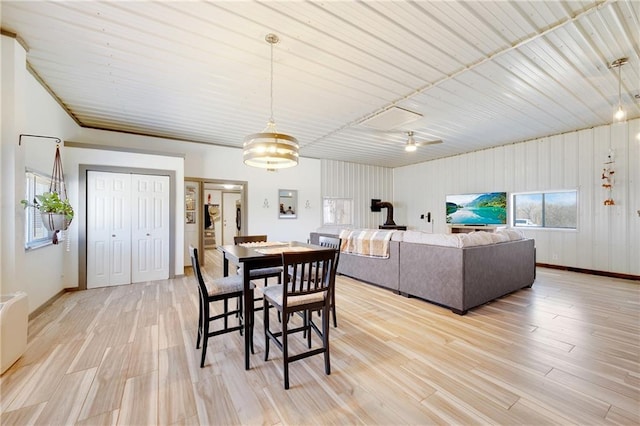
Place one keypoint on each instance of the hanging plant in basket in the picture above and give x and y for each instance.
(54, 206)
(56, 214)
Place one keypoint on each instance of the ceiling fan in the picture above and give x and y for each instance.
(411, 145)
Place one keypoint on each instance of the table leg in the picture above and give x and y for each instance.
(225, 265)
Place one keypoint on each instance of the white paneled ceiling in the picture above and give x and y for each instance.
(481, 73)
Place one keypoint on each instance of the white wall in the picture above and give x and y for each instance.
(305, 178)
(607, 238)
(27, 109)
(74, 157)
(224, 163)
(12, 114)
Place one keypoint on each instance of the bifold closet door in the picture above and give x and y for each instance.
(127, 228)
(150, 228)
(108, 229)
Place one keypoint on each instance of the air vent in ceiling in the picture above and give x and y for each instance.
(391, 118)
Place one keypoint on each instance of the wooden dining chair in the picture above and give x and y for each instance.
(261, 273)
(219, 289)
(335, 243)
(307, 288)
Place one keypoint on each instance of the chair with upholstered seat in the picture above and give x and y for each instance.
(307, 288)
(219, 289)
(261, 273)
(334, 243)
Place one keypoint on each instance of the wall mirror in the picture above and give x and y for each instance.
(288, 203)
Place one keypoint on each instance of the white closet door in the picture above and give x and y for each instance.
(150, 228)
(108, 229)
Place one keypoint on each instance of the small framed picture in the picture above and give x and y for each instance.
(190, 217)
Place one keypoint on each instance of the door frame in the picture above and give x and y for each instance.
(243, 196)
(82, 212)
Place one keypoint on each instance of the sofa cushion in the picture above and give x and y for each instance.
(500, 237)
(398, 236)
(480, 238)
(513, 234)
(445, 240)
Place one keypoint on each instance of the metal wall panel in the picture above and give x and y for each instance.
(588, 182)
(607, 238)
(361, 183)
(633, 224)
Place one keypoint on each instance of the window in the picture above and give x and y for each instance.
(553, 209)
(337, 211)
(36, 235)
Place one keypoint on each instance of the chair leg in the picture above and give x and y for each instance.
(308, 317)
(333, 308)
(205, 334)
(200, 321)
(304, 322)
(251, 325)
(285, 351)
(240, 307)
(279, 282)
(253, 351)
(265, 320)
(325, 339)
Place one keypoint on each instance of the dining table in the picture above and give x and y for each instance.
(252, 256)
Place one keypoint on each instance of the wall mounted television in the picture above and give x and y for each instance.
(487, 208)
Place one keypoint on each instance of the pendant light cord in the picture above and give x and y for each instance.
(269, 149)
(271, 92)
(619, 86)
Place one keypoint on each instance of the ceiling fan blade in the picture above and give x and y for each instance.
(429, 142)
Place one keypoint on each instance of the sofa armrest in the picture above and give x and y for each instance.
(433, 273)
(511, 267)
(378, 271)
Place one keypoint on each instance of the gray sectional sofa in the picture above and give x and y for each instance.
(458, 271)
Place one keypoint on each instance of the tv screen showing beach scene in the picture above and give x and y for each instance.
(489, 208)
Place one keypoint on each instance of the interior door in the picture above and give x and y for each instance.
(108, 229)
(150, 228)
(229, 217)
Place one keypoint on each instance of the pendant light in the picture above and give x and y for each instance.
(619, 114)
(269, 149)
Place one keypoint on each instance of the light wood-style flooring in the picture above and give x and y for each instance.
(566, 351)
